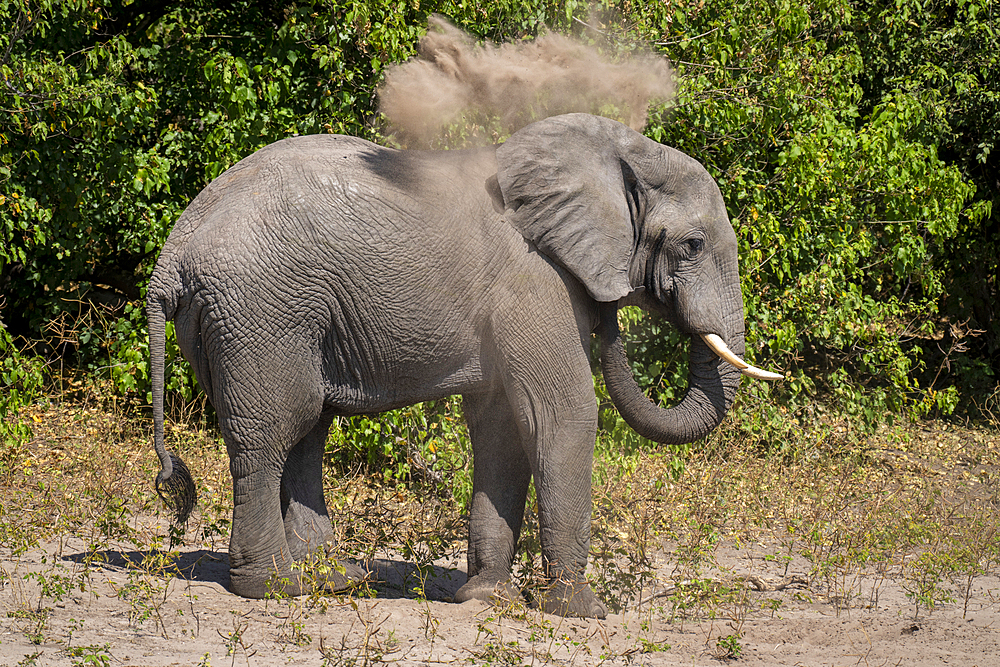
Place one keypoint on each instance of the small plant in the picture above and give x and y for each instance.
(21, 380)
(367, 650)
(703, 596)
(729, 647)
(294, 632)
(784, 559)
(922, 581)
(499, 652)
(975, 550)
(650, 646)
(75, 626)
(772, 605)
(29, 660)
(430, 623)
(36, 621)
(145, 594)
(138, 594)
(292, 629)
(235, 640)
(391, 642)
(55, 586)
(313, 573)
(90, 656)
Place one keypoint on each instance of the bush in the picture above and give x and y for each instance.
(22, 377)
(843, 205)
(855, 152)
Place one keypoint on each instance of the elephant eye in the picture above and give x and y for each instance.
(694, 246)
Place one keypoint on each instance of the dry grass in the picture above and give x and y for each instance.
(834, 522)
(918, 503)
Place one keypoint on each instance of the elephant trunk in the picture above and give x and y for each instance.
(712, 386)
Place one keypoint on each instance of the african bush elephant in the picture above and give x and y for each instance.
(324, 275)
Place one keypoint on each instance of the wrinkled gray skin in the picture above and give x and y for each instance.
(325, 276)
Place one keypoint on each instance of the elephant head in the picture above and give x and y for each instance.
(638, 223)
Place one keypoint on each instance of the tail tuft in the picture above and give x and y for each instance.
(177, 489)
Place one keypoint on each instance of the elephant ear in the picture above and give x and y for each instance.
(564, 182)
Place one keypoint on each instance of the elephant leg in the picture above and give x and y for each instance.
(563, 469)
(261, 429)
(303, 506)
(501, 474)
(258, 552)
(551, 393)
(308, 531)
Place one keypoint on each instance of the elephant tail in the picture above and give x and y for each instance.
(174, 484)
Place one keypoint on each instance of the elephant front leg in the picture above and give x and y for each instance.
(563, 486)
(501, 474)
(549, 386)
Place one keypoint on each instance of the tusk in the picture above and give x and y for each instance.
(720, 348)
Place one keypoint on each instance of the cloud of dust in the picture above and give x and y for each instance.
(453, 77)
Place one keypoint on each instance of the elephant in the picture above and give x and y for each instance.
(327, 276)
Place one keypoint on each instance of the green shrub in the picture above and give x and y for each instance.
(22, 376)
(854, 144)
(426, 443)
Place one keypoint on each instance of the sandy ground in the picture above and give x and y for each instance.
(86, 599)
(126, 616)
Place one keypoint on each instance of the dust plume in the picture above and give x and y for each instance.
(453, 79)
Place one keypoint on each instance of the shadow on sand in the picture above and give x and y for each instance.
(389, 577)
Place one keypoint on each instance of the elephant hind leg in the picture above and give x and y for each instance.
(308, 530)
(263, 431)
(303, 506)
(501, 474)
(257, 548)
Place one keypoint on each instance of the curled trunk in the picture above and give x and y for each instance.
(712, 386)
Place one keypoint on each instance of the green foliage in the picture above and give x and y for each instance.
(86, 195)
(21, 380)
(947, 55)
(426, 443)
(838, 191)
(90, 656)
(729, 647)
(113, 119)
(128, 350)
(854, 144)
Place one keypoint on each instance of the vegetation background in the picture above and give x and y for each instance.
(854, 142)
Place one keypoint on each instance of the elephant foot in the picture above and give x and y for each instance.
(489, 588)
(352, 576)
(566, 598)
(306, 532)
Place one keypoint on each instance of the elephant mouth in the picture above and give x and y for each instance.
(717, 345)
